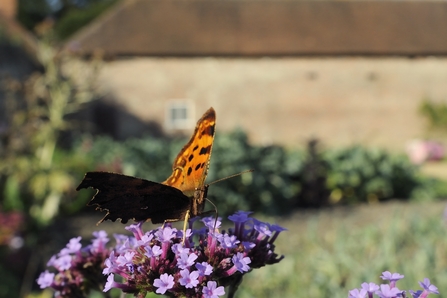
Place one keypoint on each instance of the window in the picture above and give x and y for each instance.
(179, 115)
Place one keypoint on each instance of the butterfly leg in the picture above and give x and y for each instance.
(187, 216)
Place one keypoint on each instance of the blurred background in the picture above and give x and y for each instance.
(340, 107)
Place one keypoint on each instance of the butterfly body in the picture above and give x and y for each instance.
(184, 192)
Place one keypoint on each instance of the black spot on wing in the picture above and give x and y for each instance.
(198, 166)
(205, 150)
(190, 157)
(189, 171)
(195, 148)
(209, 130)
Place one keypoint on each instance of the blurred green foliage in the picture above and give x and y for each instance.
(435, 114)
(68, 15)
(75, 17)
(36, 174)
(282, 180)
(359, 174)
(32, 12)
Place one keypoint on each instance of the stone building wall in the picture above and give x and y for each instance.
(341, 101)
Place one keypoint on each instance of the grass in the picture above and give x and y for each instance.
(331, 252)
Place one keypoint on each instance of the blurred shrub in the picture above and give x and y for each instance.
(36, 174)
(68, 15)
(272, 188)
(357, 174)
(282, 179)
(435, 114)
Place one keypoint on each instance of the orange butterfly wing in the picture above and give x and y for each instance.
(191, 164)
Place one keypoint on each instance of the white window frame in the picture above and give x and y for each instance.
(186, 122)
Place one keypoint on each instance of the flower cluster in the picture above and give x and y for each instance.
(157, 261)
(79, 269)
(390, 290)
(166, 262)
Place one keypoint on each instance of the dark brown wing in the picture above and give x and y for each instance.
(127, 197)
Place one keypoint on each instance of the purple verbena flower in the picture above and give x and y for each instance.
(45, 279)
(356, 293)
(110, 283)
(166, 234)
(189, 280)
(387, 292)
(428, 289)
(126, 258)
(204, 268)
(164, 283)
(178, 249)
(228, 241)
(370, 287)
(386, 275)
(239, 219)
(263, 228)
(240, 263)
(240, 216)
(145, 239)
(101, 235)
(136, 230)
(109, 263)
(73, 246)
(100, 241)
(212, 291)
(63, 263)
(212, 222)
(427, 286)
(153, 251)
(392, 277)
(186, 260)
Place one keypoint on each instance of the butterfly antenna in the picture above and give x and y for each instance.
(219, 180)
(215, 212)
(228, 177)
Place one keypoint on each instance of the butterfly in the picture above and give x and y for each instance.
(177, 198)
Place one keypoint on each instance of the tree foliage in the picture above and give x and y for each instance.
(68, 15)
